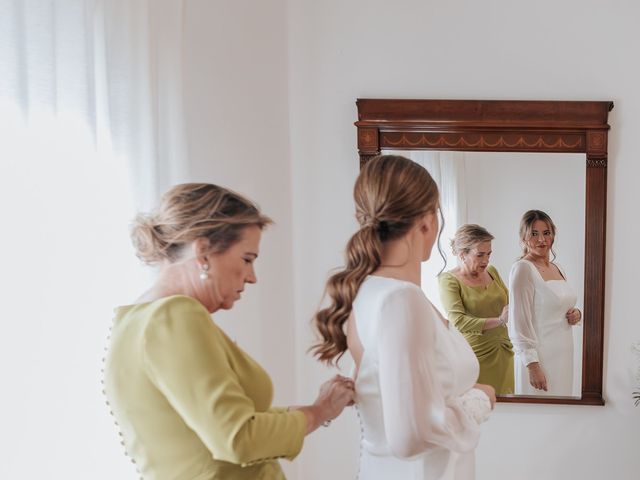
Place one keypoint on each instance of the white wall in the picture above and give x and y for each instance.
(235, 89)
(496, 49)
(237, 128)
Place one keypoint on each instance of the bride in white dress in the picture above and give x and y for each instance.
(417, 398)
(542, 312)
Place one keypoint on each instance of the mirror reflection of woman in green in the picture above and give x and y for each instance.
(476, 301)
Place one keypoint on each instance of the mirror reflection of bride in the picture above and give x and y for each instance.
(542, 313)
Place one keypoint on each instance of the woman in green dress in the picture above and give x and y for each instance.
(190, 404)
(476, 301)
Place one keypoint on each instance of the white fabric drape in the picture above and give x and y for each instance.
(448, 171)
(143, 83)
(91, 130)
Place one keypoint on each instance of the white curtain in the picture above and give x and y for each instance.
(90, 131)
(448, 171)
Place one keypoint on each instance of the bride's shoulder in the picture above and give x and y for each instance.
(521, 264)
(388, 288)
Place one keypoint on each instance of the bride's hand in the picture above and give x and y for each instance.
(537, 378)
(573, 316)
(489, 391)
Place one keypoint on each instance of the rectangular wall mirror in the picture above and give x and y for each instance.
(493, 161)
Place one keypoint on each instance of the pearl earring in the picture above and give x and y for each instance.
(204, 272)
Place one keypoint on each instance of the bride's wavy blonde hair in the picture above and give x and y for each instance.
(391, 193)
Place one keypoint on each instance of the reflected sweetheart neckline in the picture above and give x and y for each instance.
(540, 275)
(483, 287)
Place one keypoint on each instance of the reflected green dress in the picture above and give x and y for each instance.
(467, 308)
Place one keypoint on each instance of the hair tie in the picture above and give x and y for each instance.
(370, 222)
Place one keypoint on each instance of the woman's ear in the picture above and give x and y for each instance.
(201, 249)
(428, 221)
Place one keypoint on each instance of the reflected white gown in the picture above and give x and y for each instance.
(418, 411)
(539, 329)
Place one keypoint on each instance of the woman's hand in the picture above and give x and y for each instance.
(489, 390)
(573, 316)
(334, 395)
(493, 322)
(504, 315)
(537, 379)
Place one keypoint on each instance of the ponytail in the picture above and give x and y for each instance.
(390, 193)
(363, 255)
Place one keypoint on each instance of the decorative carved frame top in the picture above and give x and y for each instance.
(514, 126)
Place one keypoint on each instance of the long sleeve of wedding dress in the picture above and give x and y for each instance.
(521, 312)
(422, 408)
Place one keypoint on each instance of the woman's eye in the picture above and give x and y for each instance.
(247, 260)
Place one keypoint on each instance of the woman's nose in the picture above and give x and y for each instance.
(251, 278)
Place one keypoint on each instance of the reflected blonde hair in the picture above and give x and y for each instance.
(190, 211)
(467, 237)
(391, 194)
(526, 226)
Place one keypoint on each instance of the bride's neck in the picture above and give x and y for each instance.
(540, 260)
(400, 261)
(408, 273)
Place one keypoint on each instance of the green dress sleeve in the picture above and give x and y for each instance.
(184, 357)
(451, 298)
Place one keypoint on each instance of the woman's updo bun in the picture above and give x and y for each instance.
(189, 211)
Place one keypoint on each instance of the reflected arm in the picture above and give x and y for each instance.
(521, 308)
(451, 298)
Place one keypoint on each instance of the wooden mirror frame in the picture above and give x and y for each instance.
(514, 126)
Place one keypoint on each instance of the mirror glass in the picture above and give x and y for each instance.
(494, 190)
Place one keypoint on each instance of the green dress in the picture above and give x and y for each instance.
(467, 308)
(189, 403)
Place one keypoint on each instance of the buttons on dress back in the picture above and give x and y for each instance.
(104, 392)
(361, 440)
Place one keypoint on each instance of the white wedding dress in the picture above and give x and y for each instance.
(539, 329)
(418, 410)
